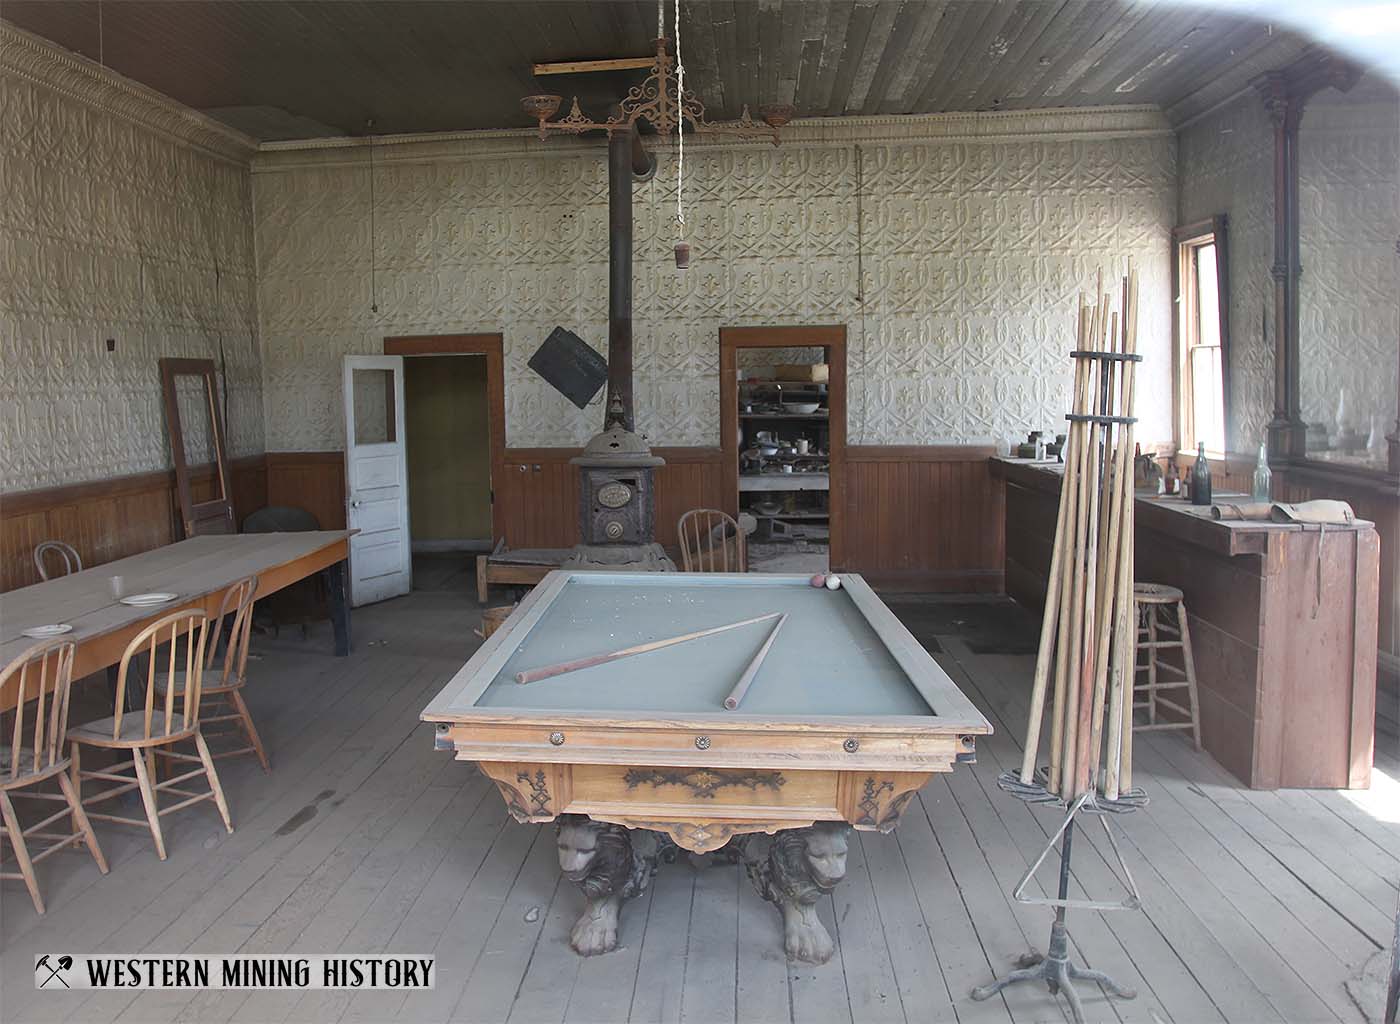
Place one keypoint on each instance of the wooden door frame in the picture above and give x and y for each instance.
(492, 346)
(831, 339)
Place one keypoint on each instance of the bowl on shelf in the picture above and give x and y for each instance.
(802, 408)
(767, 508)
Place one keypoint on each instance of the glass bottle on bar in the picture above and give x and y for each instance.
(1263, 478)
(1200, 477)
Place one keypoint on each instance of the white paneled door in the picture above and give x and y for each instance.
(376, 479)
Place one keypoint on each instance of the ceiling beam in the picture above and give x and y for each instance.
(574, 67)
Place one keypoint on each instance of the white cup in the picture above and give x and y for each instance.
(118, 587)
(803, 446)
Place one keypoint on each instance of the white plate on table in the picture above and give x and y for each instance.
(44, 632)
(147, 600)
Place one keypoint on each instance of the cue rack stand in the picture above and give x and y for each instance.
(1087, 651)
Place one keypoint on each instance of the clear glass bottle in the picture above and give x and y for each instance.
(1200, 477)
(1263, 479)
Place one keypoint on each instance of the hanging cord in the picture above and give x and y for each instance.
(101, 37)
(680, 127)
(373, 283)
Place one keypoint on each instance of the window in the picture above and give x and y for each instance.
(1200, 378)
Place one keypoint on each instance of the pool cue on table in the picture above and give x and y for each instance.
(533, 674)
(742, 686)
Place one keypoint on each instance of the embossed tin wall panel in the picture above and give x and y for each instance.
(1348, 221)
(973, 250)
(116, 225)
(1227, 166)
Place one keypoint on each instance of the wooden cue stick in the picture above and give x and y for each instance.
(742, 686)
(1125, 622)
(1065, 543)
(1110, 541)
(1073, 624)
(547, 671)
(1088, 644)
(1050, 618)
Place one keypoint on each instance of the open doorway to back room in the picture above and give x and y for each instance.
(453, 428)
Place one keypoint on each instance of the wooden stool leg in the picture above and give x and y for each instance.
(1152, 664)
(26, 866)
(236, 699)
(213, 777)
(148, 797)
(1188, 659)
(81, 818)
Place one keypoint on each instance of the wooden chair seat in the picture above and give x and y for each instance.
(132, 733)
(30, 777)
(207, 689)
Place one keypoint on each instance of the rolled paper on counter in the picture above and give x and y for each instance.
(1252, 510)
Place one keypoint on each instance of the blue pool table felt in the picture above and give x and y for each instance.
(827, 659)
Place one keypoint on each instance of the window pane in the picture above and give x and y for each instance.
(1207, 296)
(373, 396)
(1207, 396)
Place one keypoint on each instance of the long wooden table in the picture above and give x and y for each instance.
(1283, 625)
(199, 570)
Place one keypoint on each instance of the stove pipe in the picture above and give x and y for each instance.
(627, 158)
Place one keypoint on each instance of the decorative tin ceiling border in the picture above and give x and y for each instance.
(39, 61)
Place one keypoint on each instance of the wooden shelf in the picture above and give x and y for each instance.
(784, 415)
(788, 515)
(784, 482)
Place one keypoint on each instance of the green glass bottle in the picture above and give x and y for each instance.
(1263, 478)
(1200, 477)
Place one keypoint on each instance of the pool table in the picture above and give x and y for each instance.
(845, 719)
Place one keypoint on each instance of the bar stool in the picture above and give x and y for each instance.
(1161, 627)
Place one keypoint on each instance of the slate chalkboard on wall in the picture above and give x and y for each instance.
(573, 367)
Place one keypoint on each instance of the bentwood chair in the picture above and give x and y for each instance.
(711, 541)
(220, 696)
(40, 679)
(71, 562)
(143, 732)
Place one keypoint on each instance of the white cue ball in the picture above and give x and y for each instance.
(833, 583)
(818, 580)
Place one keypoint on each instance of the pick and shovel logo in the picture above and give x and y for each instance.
(52, 971)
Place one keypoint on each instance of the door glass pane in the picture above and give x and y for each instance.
(373, 397)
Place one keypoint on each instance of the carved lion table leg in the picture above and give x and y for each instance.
(611, 864)
(793, 870)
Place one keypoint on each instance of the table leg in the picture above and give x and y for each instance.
(611, 864)
(335, 577)
(793, 870)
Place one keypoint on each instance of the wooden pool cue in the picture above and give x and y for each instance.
(548, 671)
(742, 686)
(1054, 586)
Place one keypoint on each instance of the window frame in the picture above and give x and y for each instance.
(1186, 239)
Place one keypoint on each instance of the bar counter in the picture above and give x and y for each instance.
(1283, 621)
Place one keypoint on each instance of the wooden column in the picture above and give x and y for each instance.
(1284, 93)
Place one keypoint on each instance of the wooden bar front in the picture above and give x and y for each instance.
(1283, 622)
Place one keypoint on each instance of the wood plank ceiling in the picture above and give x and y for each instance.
(296, 69)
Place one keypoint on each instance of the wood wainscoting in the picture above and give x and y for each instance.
(314, 481)
(922, 518)
(113, 518)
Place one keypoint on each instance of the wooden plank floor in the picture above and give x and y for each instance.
(1258, 906)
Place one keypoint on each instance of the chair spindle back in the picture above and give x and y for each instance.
(71, 561)
(238, 603)
(711, 541)
(193, 625)
(42, 675)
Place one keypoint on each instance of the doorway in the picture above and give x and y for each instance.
(454, 431)
(783, 434)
